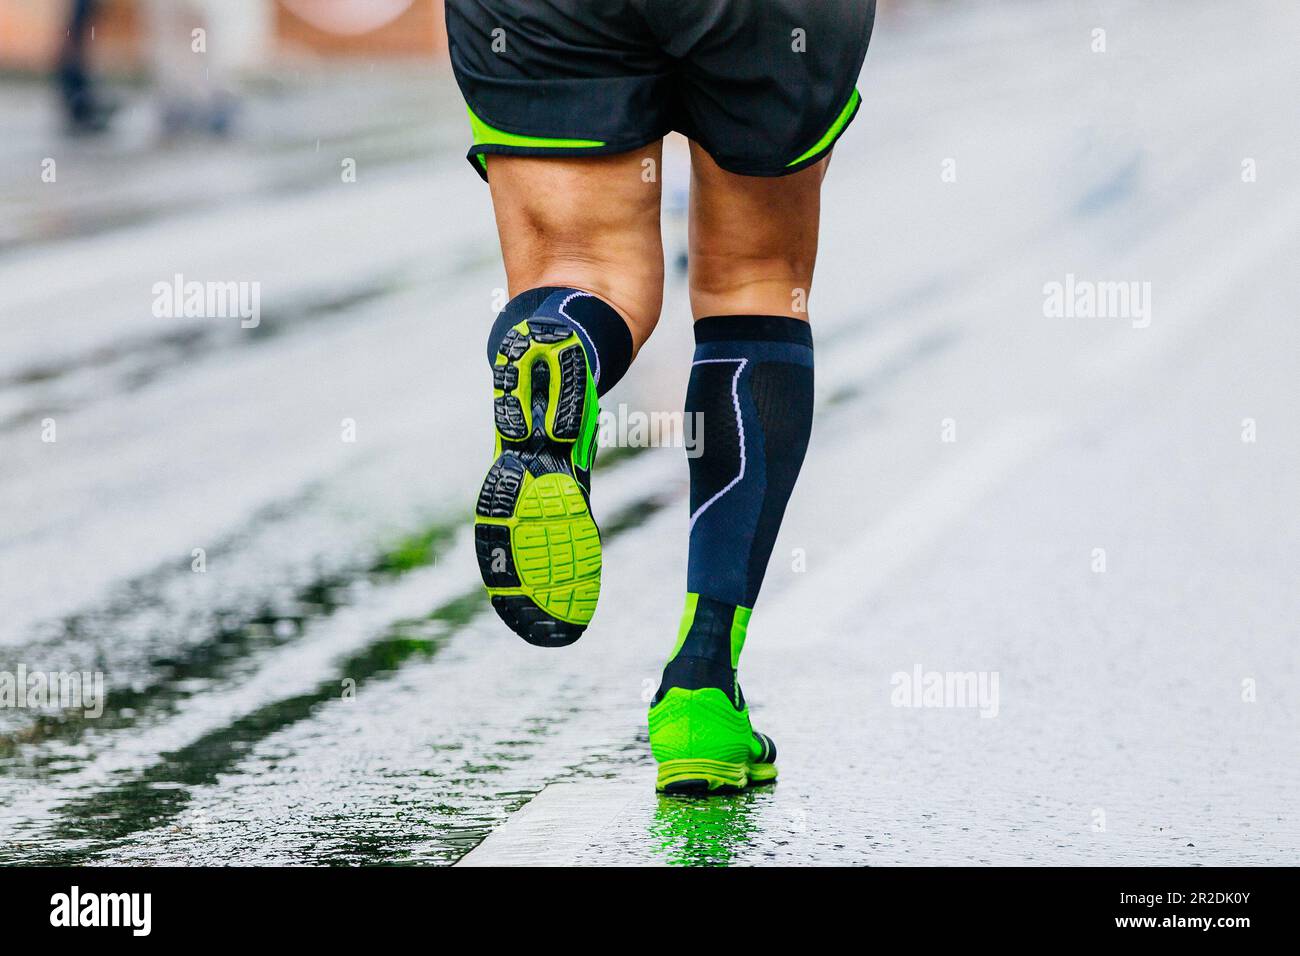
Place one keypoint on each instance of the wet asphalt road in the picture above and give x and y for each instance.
(1067, 503)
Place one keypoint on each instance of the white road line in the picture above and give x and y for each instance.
(558, 824)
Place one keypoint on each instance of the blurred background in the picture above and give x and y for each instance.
(250, 517)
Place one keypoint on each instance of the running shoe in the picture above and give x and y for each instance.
(538, 547)
(704, 743)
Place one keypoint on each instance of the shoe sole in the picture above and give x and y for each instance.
(537, 544)
(703, 777)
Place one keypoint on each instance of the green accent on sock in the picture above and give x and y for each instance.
(837, 127)
(739, 627)
(688, 618)
(487, 135)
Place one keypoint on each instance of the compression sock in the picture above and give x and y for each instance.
(604, 335)
(750, 399)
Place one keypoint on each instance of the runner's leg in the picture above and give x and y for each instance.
(586, 223)
(753, 248)
(753, 239)
(584, 264)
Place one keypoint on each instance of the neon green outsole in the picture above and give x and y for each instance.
(711, 776)
(538, 547)
(555, 546)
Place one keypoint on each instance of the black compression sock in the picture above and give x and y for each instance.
(751, 399)
(604, 335)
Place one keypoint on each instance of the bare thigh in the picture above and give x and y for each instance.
(753, 242)
(588, 223)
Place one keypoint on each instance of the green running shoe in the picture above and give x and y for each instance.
(700, 732)
(538, 547)
(705, 744)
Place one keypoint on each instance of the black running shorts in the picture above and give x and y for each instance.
(765, 86)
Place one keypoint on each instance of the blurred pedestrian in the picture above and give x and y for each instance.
(86, 112)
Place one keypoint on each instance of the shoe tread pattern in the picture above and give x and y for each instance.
(531, 504)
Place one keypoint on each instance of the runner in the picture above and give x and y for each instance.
(569, 103)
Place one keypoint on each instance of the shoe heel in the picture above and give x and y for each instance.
(563, 376)
(701, 776)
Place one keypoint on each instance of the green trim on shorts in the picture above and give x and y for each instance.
(837, 127)
(486, 135)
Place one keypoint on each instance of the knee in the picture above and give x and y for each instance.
(639, 302)
(719, 272)
(763, 283)
(633, 286)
